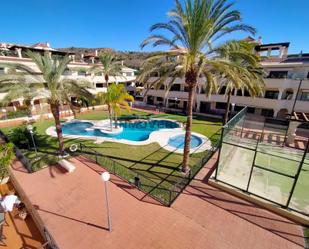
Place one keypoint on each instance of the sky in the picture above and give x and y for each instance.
(123, 24)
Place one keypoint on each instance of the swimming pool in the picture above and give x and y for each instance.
(179, 141)
(133, 131)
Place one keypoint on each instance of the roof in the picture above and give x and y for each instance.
(264, 46)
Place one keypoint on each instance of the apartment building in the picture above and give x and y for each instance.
(77, 69)
(286, 74)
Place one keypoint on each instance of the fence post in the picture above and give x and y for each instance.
(170, 197)
(219, 153)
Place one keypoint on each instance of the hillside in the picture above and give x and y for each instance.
(130, 58)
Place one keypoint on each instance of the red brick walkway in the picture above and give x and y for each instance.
(73, 210)
(240, 223)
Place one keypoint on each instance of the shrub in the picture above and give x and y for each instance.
(21, 137)
(6, 157)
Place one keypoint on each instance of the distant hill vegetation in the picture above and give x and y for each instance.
(130, 58)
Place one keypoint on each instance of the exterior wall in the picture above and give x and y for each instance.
(289, 84)
(74, 68)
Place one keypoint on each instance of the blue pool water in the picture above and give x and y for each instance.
(179, 141)
(137, 131)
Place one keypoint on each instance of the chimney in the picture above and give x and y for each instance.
(122, 63)
(96, 52)
(260, 40)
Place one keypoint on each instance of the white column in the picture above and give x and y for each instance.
(275, 113)
(32, 105)
(198, 106)
(280, 94)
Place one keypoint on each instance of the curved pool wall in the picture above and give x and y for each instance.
(133, 131)
(138, 132)
(178, 141)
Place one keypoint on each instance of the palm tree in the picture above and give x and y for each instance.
(194, 28)
(109, 66)
(242, 54)
(115, 97)
(48, 82)
(120, 99)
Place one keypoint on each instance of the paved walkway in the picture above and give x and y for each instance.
(73, 210)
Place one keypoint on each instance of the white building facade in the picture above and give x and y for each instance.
(77, 69)
(285, 75)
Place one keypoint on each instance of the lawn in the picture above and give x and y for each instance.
(150, 160)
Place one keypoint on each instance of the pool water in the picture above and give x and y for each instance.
(135, 131)
(179, 141)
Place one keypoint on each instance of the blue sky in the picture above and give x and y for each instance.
(123, 24)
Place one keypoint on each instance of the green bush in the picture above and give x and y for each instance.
(6, 157)
(21, 137)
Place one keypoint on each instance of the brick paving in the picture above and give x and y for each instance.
(73, 210)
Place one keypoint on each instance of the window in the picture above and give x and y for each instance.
(99, 85)
(267, 113)
(271, 94)
(162, 87)
(278, 74)
(82, 73)
(222, 90)
(205, 107)
(150, 100)
(159, 99)
(2, 70)
(128, 74)
(308, 75)
(175, 87)
(304, 96)
(220, 105)
(251, 110)
(186, 89)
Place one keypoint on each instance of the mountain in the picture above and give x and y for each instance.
(130, 58)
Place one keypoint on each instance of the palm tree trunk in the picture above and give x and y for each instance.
(55, 109)
(228, 103)
(116, 120)
(186, 149)
(73, 110)
(110, 116)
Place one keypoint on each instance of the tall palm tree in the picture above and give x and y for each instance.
(191, 32)
(242, 54)
(115, 97)
(48, 82)
(109, 66)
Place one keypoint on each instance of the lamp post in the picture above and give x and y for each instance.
(105, 178)
(30, 129)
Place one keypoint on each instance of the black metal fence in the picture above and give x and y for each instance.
(259, 163)
(163, 191)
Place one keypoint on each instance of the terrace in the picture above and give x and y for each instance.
(161, 184)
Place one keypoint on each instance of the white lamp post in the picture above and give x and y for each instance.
(30, 129)
(105, 178)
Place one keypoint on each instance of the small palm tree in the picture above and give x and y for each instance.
(191, 33)
(115, 97)
(120, 99)
(109, 66)
(242, 55)
(48, 83)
